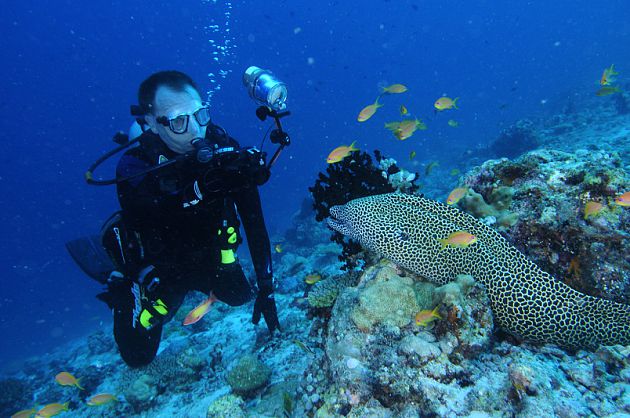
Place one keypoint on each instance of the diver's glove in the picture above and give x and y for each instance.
(266, 305)
(153, 310)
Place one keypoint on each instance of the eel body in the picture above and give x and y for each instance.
(525, 300)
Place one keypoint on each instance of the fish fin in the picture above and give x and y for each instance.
(79, 384)
(352, 148)
(435, 313)
(443, 243)
(455, 103)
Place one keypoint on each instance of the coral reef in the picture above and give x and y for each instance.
(414, 371)
(227, 406)
(386, 300)
(14, 395)
(141, 393)
(515, 140)
(324, 293)
(248, 375)
(549, 192)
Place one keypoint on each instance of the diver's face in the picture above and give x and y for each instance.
(171, 103)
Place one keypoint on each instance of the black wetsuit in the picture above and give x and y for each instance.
(179, 238)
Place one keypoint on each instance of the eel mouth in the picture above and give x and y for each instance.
(333, 220)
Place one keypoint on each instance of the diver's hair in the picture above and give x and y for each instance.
(175, 80)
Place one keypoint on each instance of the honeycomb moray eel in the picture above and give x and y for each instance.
(525, 301)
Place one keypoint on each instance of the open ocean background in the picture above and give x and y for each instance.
(71, 69)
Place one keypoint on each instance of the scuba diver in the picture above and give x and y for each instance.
(184, 189)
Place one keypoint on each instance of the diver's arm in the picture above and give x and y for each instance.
(139, 196)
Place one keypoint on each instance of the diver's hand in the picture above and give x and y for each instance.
(266, 305)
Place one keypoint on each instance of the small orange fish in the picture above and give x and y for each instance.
(592, 209)
(278, 248)
(199, 312)
(395, 89)
(623, 200)
(52, 409)
(445, 103)
(608, 76)
(459, 239)
(574, 266)
(424, 318)
(453, 123)
(456, 195)
(27, 413)
(368, 111)
(340, 153)
(312, 278)
(101, 399)
(66, 379)
(403, 110)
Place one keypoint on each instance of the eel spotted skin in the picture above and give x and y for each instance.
(525, 300)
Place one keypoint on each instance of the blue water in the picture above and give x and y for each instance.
(70, 70)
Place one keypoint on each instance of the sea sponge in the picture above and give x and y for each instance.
(388, 300)
(498, 205)
(248, 375)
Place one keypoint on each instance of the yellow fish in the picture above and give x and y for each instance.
(592, 209)
(368, 111)
(278, 248)
(453, 123)
(27, 413)
(430, 167)
(445, 103)
(199, 312)
(395, 89)
(459, 239)
(101, 399)
(424, 318)
(303, 346)
(312, 278)
(66, 379)
(456, 195)
(607, 91)
(340, 153)
(623, 200)
(608, 76)
(403, 110)
(412, 155)
(52, 409)
(407, 127)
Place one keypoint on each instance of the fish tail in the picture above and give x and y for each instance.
(376, 102)
(443, 243)
(455, 103)
(79, 384)
(435, 313)
(352, 148)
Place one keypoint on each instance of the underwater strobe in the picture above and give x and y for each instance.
(265, 89)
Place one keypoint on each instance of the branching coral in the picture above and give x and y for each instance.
(353, 177)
